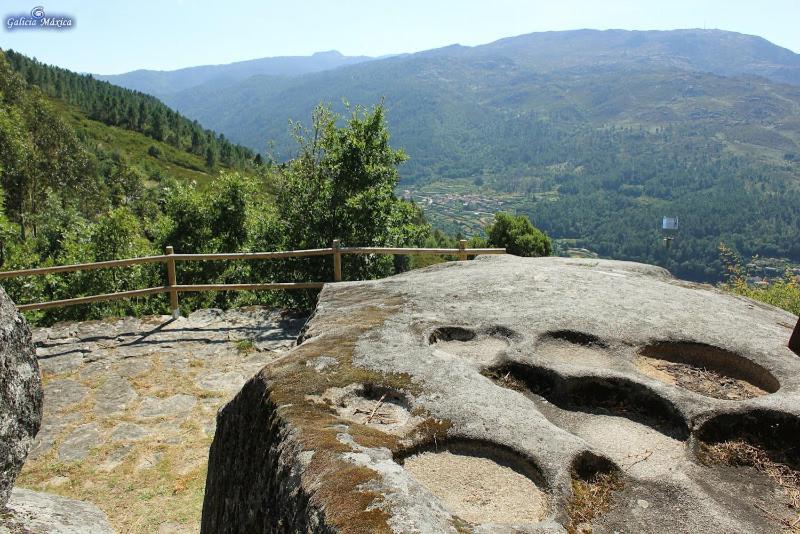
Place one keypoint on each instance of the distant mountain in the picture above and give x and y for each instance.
(599, 133)
(444, 102)
(162, 83)
(579, 76)
(713, 51)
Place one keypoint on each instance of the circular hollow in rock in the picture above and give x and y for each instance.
(705, 369)
(480, 345)
(573, 347)
(481, 483)
(595, 479)
(451, 333)
(616, 396)
(375, 405)
(587, 465)
(575, 337)
(775, 433)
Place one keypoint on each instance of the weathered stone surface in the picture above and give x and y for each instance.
(62, 394)
(558, 369)
(228, 382)
(175, 406)
(794, 340)
(31, 512)
(114, 396)
(52, 427)
(20, 394)
(79, 443)
(129, 432)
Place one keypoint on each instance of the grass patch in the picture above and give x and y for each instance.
(505, 379)
(591, 498)
(245, 346)
(136, 147)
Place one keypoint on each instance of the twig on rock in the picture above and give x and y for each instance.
(647, 454)
(375, 410)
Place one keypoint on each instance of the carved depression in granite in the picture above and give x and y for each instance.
(525, 395)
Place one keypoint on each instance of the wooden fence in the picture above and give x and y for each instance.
(173, 288)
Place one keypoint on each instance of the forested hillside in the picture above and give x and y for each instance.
(599, 133)
(75, 189)
(129, 110)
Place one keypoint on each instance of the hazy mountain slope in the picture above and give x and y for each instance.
(449, 113)
(714, 51)
(618, 75)
(161, 83)
(599, 133)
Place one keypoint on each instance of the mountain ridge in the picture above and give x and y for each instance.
(162, 82)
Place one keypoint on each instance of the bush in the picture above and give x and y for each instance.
(518, 236)
(783, 293)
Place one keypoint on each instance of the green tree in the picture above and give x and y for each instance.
(39, 152)
(197, 142)
(118, 234)
(518, 236)
(157, 126)
(211, 158)
(341, 186)
(7, 231)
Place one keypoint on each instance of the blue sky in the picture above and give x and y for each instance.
(117, 36)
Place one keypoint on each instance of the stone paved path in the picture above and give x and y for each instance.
(130, 407)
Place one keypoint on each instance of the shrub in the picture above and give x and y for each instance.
(518, 236)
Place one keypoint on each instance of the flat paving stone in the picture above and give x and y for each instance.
(129, 432)
(131, 367)
(114, 396)
(60, 394)
(226, 382)
(174, 406)
(56, 365)
(136, 350)
(79, 443)
(51, 429)
(95, 368)
(115, 458)
(43, 513)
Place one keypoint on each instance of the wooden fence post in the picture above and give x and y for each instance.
(172, 281)
(462, 244)
(337, 262)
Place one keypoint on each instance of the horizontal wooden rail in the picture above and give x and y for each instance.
(173, 288)
(83, 266)
(411, 251)
(94, 298)
(196, 288)
(253, 255)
